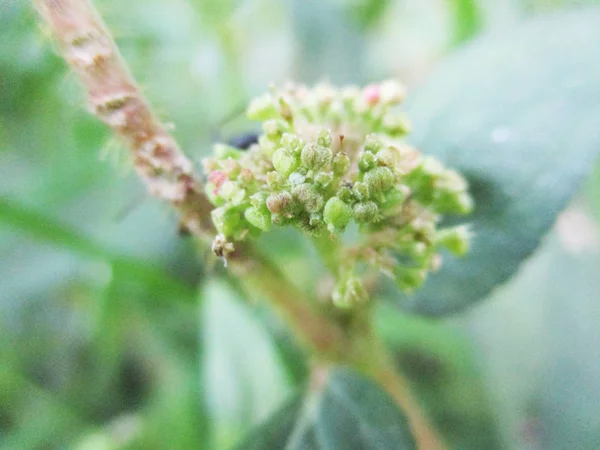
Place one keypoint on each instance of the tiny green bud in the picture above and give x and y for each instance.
(388, 156)
(279, 203)
(258, 200)
(345, 194)
(366, 161)
(341, 164)
(284, 162)
(231, 192)
(395, 125)
(464, 203)
(365, 212)
(315, 157)
(315, 221)
(324, 138)
(279, 220)
(323, 179)
(395, 196)
(275, 180)
(372, 143)
(336, 214)
(260, 218)
(267, 145)
(262, 108)
(292, 142)
(285, 110)
(349, 292)
(456, 239)
(275, 128)
(420, 252)
(379, 180)
(296, 178)
(224, 151)
(308, 196)
(432, 167)
(227, 221)
(361, 190)
(409, 278)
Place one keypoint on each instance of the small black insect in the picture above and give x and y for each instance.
(243, 141)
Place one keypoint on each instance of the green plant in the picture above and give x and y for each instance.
(514, 202)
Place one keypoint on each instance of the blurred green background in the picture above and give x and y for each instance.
(106, 342)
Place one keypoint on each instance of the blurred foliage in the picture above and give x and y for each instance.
(102, 342)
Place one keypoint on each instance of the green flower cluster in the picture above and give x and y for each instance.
(328, 158)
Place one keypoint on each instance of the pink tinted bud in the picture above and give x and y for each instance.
(217, 178)
(372, 94)
(246, 175)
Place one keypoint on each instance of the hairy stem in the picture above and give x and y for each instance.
(116, 100)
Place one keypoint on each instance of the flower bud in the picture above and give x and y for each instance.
(371, 94)
(275, 181)
(372, 143)
(308, 196)
(366, 161)
(341, 164)
(231, 192)
(379, 180)
(395, 196)
(456, 239)
(315, 221)
(260, 218)
(262, 108)
(258, 200)
(409, 278)
(279, 203)
(315, 157)
(275, 128)
(395, 125)
(336, 214)
(349, 95)
(392, 92)
(349, 292)
(285, 110)
(296, 178)
(365, 212)
(323, 179)
(324, 138)
(361, 190)
(284, 162)
(292, 142)
(453, 203)
(227, 221)
(223, 151)
(389, 157)
(267, 145)
(345, 194)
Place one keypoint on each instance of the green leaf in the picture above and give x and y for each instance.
(48, 231)
(518, 115)
(346, 411)
(243, 377)
(467, 20)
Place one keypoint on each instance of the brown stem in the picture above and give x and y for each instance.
(116, 100)
(386, 374)
(323, 336)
